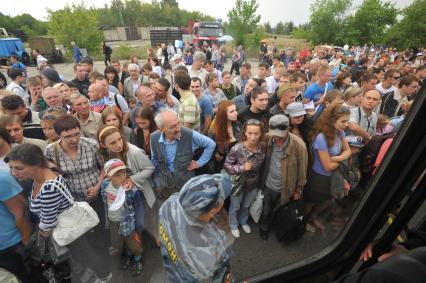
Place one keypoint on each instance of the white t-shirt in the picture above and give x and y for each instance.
(271, 84)
(17, 89)
(383, 91)
(111, 194)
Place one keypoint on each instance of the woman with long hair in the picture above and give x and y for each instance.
(47, 201)
(156, 66)
(113, 145)
(329, 148)
(245, 158)
(343, 81)
(111, 117)
(225, 130)
(113, 79)
(299, 124)
(145, 127)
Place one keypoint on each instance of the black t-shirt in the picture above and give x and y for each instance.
(82, 86)
(247, 114)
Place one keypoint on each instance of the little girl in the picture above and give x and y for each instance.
(120, 215)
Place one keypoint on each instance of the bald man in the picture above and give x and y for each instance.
(97, 97)
(172, 150)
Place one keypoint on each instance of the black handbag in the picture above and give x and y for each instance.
(289, 221)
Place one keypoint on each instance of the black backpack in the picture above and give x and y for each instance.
(289, 221)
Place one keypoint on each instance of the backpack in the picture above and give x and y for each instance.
(289, 221)
(370, 152)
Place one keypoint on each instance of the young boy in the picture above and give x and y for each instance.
(120, 216)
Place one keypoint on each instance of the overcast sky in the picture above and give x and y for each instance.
(270, 10)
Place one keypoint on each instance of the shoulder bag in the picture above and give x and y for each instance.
(75, 221)
(237, 180)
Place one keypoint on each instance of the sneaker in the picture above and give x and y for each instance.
(235, 233)
(125, 263)
(137, 268)
(104, 279)
(88, 275)
(310, 228)
(246, 228)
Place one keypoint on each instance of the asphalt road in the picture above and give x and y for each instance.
(251, 255)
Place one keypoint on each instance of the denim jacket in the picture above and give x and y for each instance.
(127, 222)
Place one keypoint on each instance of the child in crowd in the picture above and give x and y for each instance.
(120, 215)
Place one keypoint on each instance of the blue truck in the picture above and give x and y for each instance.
(13, 46)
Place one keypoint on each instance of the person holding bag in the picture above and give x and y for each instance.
(48, 199)
(330, 148)
(245, 158)
(284, 173)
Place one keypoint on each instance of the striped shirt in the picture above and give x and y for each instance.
(190, 111)
(48, 204)
(83, 172)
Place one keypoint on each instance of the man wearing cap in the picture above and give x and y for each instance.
(177, 61)
(194, 235)
(18, 77)
(285, 167)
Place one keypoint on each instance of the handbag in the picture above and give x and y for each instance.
(257, 207)
(289, 221)
(237, 180)
(75, 221)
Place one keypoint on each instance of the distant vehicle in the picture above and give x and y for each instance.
(13, 46)
(203, 31)
(47, 48)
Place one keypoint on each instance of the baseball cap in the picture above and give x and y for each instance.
(176, 57)
(278, 125)
(295, 109)
(112, 166)
(202, 193)
(355, 141)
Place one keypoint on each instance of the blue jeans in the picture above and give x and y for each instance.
(139, 211)
(239, 208)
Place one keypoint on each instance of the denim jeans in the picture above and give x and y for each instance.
(139, 212)
(239, 208)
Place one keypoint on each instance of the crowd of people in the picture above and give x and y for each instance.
(163, 154)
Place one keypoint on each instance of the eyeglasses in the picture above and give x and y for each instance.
(70, 137)
(254, 122)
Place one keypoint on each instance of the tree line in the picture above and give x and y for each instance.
(372, 22)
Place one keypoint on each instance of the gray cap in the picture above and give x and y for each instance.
(278, 125)
(295, 109)
(202, 193)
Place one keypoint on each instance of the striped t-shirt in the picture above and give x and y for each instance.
(48, 204)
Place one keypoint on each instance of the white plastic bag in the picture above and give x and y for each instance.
(257, 207)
